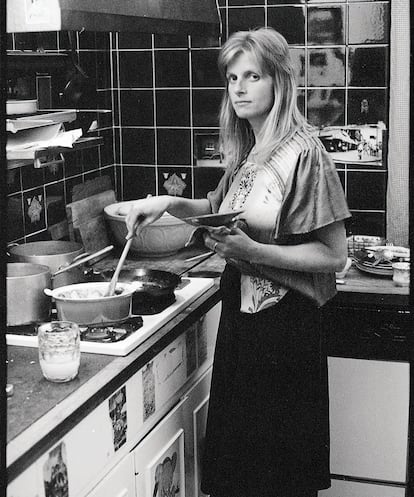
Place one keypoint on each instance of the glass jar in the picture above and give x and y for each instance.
(59, 350)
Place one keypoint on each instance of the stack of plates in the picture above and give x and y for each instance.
(378, 260)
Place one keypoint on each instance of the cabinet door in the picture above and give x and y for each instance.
(119, 482)
(195, 428)
(27, 484)
(369, 418)
(159, 458)
(342, 488)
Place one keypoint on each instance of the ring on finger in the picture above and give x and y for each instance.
(215, 246)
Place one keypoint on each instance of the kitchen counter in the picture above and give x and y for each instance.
(39, 411)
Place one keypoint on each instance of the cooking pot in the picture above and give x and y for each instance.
(26, 300)
(85, 303)
(55, 255)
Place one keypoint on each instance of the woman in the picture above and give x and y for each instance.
(267, 429)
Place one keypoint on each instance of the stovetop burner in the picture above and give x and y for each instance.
(111, 333)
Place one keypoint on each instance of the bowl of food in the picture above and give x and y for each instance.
(86, 303)
(166, 236)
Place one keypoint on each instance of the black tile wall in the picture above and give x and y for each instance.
(165, 90)
(37, 197)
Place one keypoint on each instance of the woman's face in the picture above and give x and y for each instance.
(251, 91)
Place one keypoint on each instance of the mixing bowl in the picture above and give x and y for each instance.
(165, 236)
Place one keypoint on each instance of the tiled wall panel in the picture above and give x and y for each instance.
(165, 93)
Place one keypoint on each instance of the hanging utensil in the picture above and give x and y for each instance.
(87, 258)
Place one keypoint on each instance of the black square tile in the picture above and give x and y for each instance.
(173, 107)
(297, 56)
(115, 69)
(367, 223)
(69, 185)
(204, 68)
(326, 107)
(206, 179)
(282, 2)
(243, 3)
(138, 182)
(369, 22)
(90, 159)
(55, 203)
(9, 41)
(34, 211)
(137, 107)
(206, 107)
(73, 164)
(105, 103)
(289, 21)
(135, 69)
(172, 68)
(367, 106)
(175, 181)
(174, 146)
(138, 146)
(366, 190)
(32, 177)
(368, 66)
(103, 70)
(134, 40)
(15, 217)
(326, 25)
(106, 150)
(242, 19)
(301, 96)
(170, 40)
(54, 172)
(14, 181)
(88, 63)
(326, 67)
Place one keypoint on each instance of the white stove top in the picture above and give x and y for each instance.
(151, 323)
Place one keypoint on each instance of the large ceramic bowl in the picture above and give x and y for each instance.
(165, 236)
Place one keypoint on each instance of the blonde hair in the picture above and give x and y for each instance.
(272, 54)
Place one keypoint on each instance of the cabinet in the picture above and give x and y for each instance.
(369, 407)
(119, 482)
(167, 461)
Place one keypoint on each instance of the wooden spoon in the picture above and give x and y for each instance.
(114, 279)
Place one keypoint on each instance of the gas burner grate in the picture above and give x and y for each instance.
(111, 333)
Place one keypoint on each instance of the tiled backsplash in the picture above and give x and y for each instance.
(165, 92)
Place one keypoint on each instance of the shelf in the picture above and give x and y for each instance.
(34, 156)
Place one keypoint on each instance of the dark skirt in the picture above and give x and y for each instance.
(268, 420)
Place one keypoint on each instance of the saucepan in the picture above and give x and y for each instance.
(26, 301)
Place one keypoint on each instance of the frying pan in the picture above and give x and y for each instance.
(152, 282)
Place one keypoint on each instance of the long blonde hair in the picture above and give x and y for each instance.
(272, 54)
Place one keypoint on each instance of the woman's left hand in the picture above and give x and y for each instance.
(229, 242)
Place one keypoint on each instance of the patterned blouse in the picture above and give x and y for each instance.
(258, 189)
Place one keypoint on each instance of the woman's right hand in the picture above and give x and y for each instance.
(145, 211)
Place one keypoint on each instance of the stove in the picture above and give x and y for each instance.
(120, 339)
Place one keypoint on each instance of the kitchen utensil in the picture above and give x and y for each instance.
(55, 254)
(59, 350)
(114, 279)
(26, 301)
(213, 220)
(166, 236)
(82, 260)
(86, 304)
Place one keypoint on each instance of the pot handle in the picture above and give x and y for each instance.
(10, 245)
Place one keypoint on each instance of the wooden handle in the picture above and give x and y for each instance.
(114, 279)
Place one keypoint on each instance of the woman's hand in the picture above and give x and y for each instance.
(229, 242)
(143, 212)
